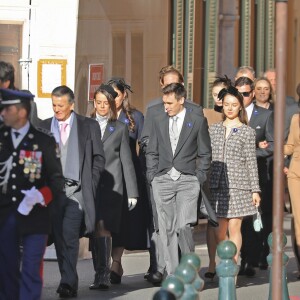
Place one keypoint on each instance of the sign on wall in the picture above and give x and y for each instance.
(51, 73)
(96, 73)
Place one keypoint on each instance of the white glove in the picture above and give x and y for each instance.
(25, 206)
(131, 203)
(34, 196)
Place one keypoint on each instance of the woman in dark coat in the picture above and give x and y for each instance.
(119, 171)
(133, 235)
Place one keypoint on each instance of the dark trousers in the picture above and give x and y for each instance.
(27, 284)
(32, 260)
(252, 243)
(66, 232)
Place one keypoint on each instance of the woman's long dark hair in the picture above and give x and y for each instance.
(231, 90)
(112, 116)
(123, 87)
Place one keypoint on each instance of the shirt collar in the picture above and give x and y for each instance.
(23, 130)
(67, 121)
(181, 115)
(250, 108)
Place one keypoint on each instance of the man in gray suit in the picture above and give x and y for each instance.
(178, 158)
(82, 158)
(167, 75)
(254, 248)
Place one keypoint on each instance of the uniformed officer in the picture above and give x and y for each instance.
(30, 177)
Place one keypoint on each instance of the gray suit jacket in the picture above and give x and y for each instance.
(91, 162)
(193, 152)
(156, 109)
(119, 168)
(262, 122)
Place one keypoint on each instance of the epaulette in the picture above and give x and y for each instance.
(44, 130)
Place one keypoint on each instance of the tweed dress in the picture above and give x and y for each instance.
(234, 174)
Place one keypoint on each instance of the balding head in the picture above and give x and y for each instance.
(245, 71)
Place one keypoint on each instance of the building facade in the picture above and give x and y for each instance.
(61, 41)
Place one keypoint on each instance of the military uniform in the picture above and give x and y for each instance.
(33, 163)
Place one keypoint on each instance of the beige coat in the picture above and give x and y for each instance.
(292, 147)
(212, 116)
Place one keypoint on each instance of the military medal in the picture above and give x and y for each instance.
(21, 157)
(31, 177)
(32, 161)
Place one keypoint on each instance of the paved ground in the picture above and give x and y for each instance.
(133, 286)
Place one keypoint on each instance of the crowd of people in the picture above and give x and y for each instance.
(129, 184)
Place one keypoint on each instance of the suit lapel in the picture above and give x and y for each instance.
(83, 133)
(165, 131)
(254, 117)
(186, 130)
(122, 117)
(109, 130)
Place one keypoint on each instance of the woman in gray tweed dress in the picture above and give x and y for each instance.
(234, 177)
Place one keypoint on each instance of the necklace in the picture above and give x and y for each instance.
(232, 125)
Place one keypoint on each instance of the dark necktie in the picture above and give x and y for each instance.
(17, 134)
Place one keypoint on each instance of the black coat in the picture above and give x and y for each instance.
(91, 163)
(137, 221)
(35, 142)
(119, 169)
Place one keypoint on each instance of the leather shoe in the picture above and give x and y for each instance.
(146, 275)
(155, 278)
(247, 269)
(66, 291)
(263, 266)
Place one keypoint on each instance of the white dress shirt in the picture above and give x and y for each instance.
(180, 120)
(249, 110)
(22, 132)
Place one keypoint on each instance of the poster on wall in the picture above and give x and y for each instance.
(95, 78)
(51, 73)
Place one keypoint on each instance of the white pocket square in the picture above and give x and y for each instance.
(258, 127)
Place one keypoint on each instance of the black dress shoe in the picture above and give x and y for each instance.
(146, 275)
(155, 278)
(246, 269)
(210, 275)
(249, 270)
(66, 291)
(115, 278)
(263, 266)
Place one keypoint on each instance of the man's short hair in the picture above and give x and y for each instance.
(169, 70)
(176, 88)
(62, 91)
(7, 72)
(244, 81)
(246, 68)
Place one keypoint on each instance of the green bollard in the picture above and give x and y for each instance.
(194, 260)
(227, 270)
(285, 259)
(187, 273)
(164, 295)
(174, 285)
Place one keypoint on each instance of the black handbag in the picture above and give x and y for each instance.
(205, 209)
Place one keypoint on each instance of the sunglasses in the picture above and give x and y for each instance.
(246, 94)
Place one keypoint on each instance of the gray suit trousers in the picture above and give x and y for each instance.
(176, 203)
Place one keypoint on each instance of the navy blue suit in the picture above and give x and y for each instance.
(29, 230)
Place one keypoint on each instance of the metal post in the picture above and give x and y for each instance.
(281, 44)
